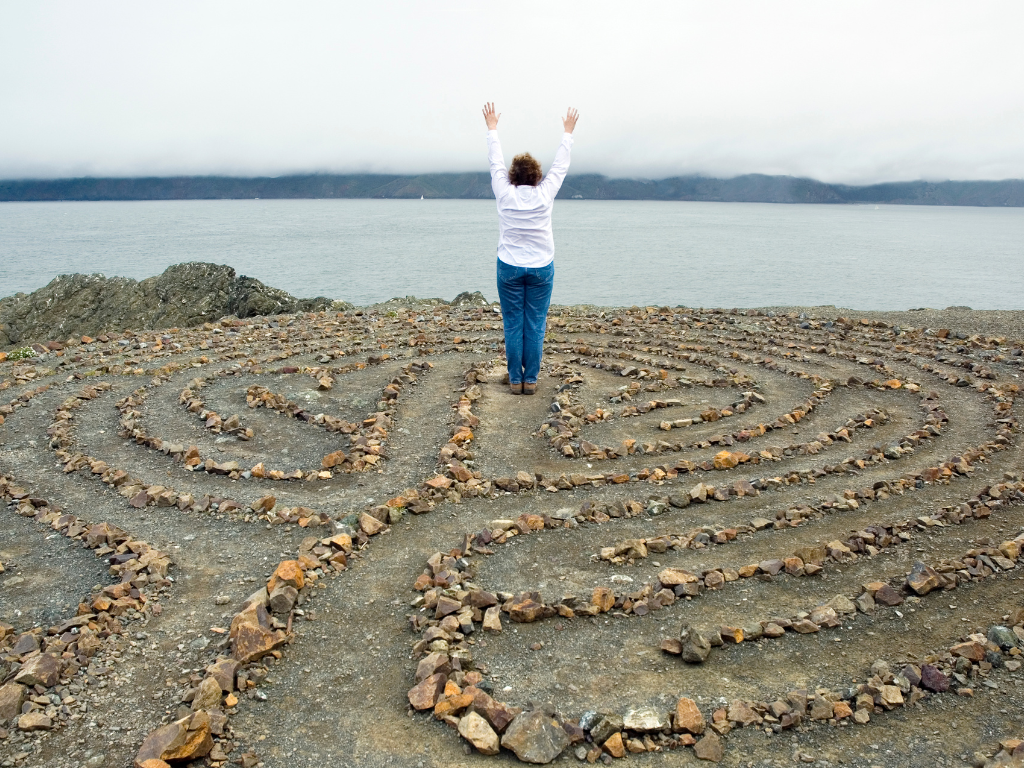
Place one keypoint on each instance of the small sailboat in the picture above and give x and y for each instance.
(421, 197)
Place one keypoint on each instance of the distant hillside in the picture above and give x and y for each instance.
(752, 188)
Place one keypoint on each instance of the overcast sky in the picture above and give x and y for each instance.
(852, 92)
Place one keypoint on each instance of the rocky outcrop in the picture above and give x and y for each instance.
(184, 295)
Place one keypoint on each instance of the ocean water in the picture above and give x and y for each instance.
(607, 252)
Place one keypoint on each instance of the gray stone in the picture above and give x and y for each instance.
(1003, 637)
(606, 726)
(535, 737)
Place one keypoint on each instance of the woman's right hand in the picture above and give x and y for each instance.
(569, 121)
(490, 116)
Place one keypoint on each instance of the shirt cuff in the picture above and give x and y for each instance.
(494, 131)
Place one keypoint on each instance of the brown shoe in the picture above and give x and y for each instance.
(515, 389)
(529, 389)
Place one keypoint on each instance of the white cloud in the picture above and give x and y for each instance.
(848, 92)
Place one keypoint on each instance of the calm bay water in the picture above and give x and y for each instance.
(612, 253)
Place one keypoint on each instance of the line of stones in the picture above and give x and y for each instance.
(135, 491)
(563, 427)
(1003, 397)
(367, 438)
(21, 401)
(458, 477)
(448, 682)
(40, 665)
(796, 515)
(260, 629)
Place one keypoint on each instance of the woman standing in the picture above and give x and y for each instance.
(526, 248)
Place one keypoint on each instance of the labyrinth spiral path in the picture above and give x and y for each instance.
(750, 537)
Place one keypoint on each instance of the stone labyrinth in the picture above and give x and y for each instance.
(336, 539)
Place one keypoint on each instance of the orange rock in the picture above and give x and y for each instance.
(614, 745)
(452, 705)
(732, 634)
(603, 598)
(183, 740)
(288, 572)
(841, 710)
(688, 717)
(332, 460)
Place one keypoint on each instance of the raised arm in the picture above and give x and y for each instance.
(556, 173)
(499, 174)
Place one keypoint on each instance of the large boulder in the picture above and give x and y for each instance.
(184, 295)
(535, 737)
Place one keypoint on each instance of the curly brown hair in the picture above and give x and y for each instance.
(525, 171)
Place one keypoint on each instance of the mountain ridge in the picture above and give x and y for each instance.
(753, 188)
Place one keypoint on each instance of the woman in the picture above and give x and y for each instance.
(526, 248)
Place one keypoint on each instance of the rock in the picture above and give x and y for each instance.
(208, 695)
(805, 626)
(26, 642)
(183, 740)
(886, 595)
(891, 696)
(688, 717)
(446, 606)
(739, 712)
(696, 647)
(820, 708)
(605, 726)
(922, 579)
(34, 721)
(842, 604)
(535, 737)
(603, 598)
(709, 748)
(43, 670)
(865, 603)
(671, 577)
(614, 746)
(287, 572)
(646, 719)
(492, 619)
(479, 733)
(1003, 637)
(11, 696)
(370, 525)
(184, 295)
(251, 634)
(283, 598)
(526, 608)
(824, 615)
(424, 694)
(672, 645)
(731, 635)
(971, 650)
(433, 664)
(497, 713)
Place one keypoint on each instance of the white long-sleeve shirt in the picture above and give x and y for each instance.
(524, 212)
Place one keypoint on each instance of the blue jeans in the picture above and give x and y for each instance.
(525, 295)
